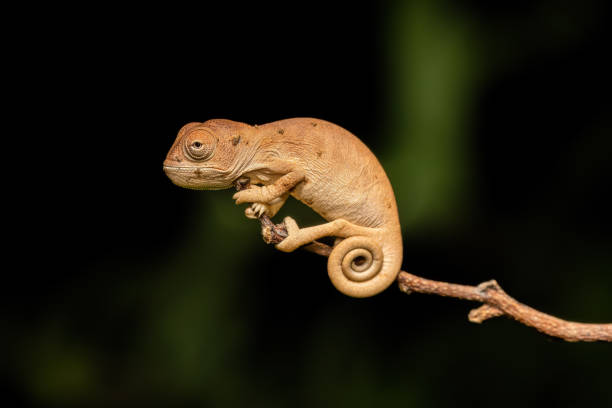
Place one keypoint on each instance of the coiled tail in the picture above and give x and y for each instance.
(356, 267)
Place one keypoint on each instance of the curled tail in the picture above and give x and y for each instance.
(357, 267)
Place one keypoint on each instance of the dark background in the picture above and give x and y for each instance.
(493, 123)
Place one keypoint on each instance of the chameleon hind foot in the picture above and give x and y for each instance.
(294, 239)
(301, 236)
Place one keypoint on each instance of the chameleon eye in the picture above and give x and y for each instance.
(200, 144)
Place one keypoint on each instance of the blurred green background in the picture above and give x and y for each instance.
(493, 123)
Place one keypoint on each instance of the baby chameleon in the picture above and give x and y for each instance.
(319, 163)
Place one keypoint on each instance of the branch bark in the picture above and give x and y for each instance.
(498, 303)
(495, 301)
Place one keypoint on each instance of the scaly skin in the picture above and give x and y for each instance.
(319, 163)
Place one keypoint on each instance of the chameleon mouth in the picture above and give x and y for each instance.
(178, 169)
(195, 178)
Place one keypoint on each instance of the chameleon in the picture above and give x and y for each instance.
(320, 164)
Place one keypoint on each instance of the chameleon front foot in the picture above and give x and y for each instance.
(257, 210)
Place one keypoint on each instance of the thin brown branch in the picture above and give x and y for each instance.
(498, 303)
(318, 248)
(272, 233)
(495, 301)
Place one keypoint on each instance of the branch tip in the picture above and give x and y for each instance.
(483, 313)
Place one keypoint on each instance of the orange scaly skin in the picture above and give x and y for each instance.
(319, 163)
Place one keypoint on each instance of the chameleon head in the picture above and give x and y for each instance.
(202, 157)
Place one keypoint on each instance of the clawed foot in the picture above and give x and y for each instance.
(256, 210)
(292, 242)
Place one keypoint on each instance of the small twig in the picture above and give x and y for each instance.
(318, 248)
(495, 301)
(272, 233)
(275, 233)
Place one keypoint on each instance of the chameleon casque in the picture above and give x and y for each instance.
(319, 163)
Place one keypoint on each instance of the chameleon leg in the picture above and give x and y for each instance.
(301, 236)
(265, 194)
(275, 205)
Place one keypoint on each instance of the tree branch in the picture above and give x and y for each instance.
(495, 301)
(498, 303)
